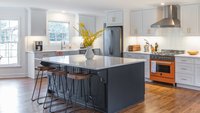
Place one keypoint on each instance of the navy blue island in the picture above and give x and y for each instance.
(116, 83)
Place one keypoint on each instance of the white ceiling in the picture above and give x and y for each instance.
(91, 4)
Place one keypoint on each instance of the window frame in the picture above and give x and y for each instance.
(18, 64)
(54, 42)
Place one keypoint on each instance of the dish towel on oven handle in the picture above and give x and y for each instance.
(153, 66)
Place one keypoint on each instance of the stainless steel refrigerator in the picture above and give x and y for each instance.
(113, 41)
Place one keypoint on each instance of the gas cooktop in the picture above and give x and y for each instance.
(166, 54)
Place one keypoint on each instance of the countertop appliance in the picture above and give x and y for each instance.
(113, 41)
(38, 45)
(162, 65)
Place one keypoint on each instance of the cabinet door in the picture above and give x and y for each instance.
(89, 21)
(149, 17)
(136, 23)
(189, 19)
(37, 22)
(197, 75)
(114, 18)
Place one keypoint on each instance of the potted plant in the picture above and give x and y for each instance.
(88, 39)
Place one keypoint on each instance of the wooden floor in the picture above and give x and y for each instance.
(15, 97)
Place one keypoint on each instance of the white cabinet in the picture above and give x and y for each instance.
(189, 19)
(37, 22)
(142, 20)
(188, 71)
(136, 23)
(114, 18)
(32, 63)
(149, 17)
(140, 56)
(184, 70)
(197, 74)
(89, 21)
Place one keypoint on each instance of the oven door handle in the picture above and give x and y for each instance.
(163, 63)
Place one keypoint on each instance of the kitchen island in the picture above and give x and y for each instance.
(116, 82)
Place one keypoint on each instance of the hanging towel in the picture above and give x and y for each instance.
(153, 66)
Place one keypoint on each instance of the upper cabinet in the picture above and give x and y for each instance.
(190, 19)
(114, 18)
(141, 22)
(37, 22)
(136, 23)
(89, 21)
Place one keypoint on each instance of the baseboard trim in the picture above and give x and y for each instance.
(13, 75)
(188, 87)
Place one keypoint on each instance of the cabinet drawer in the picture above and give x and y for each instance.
(184, 79)
(197, 61)
(128, 55)
(185, 60)
(184, 68)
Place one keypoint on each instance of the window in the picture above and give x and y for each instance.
(9, 36)
(58, 31)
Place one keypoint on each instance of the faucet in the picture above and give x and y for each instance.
(62, 45)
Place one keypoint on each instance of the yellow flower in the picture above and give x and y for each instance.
(88, 36)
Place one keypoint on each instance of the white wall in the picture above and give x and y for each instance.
(21, 14)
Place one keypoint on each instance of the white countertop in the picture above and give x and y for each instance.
(97, 63)
(57, 50)
(52, 51)
(139, 52)
(187, 55)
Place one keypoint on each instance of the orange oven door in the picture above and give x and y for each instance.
(162, 68)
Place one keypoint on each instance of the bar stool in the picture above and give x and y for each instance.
(80, 78)
(40, 69)
(59, 74)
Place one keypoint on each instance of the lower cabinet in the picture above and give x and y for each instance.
(188, 71)
(140, 56)
(197, 74)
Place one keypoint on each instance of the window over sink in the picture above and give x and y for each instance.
(9, 42)
(58, 31)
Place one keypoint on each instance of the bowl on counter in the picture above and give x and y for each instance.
(192, 52)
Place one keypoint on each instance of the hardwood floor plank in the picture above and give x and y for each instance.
(15, 97)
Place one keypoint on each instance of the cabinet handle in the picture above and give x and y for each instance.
(183, 68)
(149, 31)
(135, 31)
(188, 30)
(113, 19)
(183, 60)
(183, 79)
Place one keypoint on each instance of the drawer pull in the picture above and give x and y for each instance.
(183, 79)
(183, 60)
(183, 69)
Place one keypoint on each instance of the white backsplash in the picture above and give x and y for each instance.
(171, 39)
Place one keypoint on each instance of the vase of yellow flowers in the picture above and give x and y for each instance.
(88, 39)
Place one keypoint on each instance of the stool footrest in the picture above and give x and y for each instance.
(78, 76)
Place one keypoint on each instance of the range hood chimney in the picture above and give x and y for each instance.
(171, 13)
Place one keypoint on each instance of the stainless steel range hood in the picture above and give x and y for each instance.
(171, 14)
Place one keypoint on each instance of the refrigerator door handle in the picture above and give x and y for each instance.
(110, 51)
(110, 48)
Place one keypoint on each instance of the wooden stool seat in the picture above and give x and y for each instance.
(78, 76)
(58, 72)
(43, 68)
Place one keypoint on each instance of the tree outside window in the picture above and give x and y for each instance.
(58, 31)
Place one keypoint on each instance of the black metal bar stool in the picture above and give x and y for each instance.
(40, 76)
(82, 80)
(58, 83)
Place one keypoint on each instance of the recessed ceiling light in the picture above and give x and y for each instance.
(162, 3)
